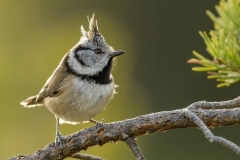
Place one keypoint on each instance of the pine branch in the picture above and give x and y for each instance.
(199, 114)
(223, 45)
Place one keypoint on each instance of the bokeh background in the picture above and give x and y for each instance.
(153, 75)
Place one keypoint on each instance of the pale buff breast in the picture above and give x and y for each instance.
(79, 100)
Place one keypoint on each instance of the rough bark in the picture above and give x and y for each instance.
(212, 114)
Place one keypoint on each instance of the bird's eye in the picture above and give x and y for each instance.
(98, 51)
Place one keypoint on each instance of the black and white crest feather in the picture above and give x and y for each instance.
(93, 29)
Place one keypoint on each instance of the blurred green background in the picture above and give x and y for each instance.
(153, 75)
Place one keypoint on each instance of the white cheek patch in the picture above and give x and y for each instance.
(88, 70)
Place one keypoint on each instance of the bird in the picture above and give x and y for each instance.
(82, 84)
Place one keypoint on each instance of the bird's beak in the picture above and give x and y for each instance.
(117, 53)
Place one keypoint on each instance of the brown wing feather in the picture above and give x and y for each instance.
(51, 87)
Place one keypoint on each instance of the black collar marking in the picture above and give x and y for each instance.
(103, 77)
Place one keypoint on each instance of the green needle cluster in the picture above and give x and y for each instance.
(223, 45)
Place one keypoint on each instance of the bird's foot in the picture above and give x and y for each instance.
(59, 141)
(99, 125)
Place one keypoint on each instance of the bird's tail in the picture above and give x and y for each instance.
(31, 102)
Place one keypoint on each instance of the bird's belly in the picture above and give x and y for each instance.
(79, 101)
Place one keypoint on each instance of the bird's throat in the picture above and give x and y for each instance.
(102, 77)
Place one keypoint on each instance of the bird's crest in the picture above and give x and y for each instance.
(93, 29)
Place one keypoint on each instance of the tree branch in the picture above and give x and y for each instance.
(208, 134)
(85, 157)
(134, 148)
(211, 114)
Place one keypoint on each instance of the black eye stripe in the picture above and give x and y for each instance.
(79, 48)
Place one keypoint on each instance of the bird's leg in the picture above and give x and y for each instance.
(98, 124)
(58, 135)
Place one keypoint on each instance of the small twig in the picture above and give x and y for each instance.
(85, 157)
(215, 105)
(134, 148)
(209, 135)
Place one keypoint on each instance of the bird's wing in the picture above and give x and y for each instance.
(50, 89)
(53, 84)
